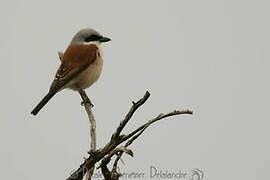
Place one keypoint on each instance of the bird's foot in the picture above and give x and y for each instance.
(87, 103)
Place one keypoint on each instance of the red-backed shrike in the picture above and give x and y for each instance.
(81, 65)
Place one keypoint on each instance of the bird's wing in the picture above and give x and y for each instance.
(75, 60)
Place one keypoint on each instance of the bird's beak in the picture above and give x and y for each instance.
(104, 39)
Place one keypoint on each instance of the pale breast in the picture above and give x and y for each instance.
(90, 75)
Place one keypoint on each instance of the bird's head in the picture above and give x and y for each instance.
(88, 36)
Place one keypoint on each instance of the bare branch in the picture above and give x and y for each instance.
(133, 136)
(110, 149)
(88, 106)
(159, 117)
(133, 108)
(113, 175)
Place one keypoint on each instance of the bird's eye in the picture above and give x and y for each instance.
(92, 38)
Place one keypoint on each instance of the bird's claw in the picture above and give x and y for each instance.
(83, 103)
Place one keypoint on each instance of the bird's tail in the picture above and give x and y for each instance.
(43, 102)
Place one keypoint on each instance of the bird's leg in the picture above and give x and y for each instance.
(86, 100)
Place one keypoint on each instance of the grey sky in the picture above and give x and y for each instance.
(211, 56)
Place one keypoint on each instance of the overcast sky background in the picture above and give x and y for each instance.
(211, 56)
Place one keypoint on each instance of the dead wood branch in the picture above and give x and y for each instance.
(111, 148)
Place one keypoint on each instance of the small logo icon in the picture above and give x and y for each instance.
(196, 174)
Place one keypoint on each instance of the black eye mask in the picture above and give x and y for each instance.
(92, 38)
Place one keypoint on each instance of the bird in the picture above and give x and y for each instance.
(81, 65)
